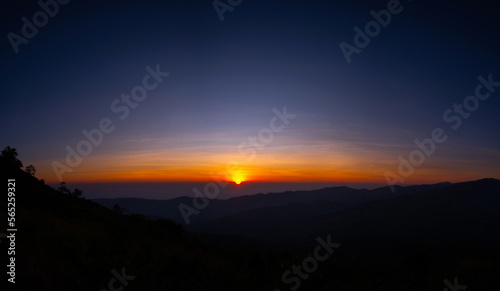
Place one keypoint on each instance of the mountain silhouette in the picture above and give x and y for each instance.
(220, 208)
(442, 213)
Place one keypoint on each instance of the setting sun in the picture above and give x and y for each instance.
(238, 179)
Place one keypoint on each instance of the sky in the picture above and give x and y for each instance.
(272, 70)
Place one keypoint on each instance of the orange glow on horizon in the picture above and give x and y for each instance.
(262, 173)
(307, 164)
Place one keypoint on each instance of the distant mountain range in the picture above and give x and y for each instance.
(220, 208)
(459, 212)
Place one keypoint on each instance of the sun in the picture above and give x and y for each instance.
(238, 179)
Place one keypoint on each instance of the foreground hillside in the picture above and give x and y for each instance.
(69, 243)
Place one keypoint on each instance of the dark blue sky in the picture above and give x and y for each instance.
(353, 120)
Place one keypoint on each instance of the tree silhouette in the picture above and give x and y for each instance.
(77, 193)
(8, 157)
(63, 189)
(117, 209)
(30, 170)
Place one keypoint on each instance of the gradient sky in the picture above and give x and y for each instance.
(352, 120)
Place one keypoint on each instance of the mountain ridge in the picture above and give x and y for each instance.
(218, 208)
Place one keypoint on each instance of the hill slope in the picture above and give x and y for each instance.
(67, 243)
